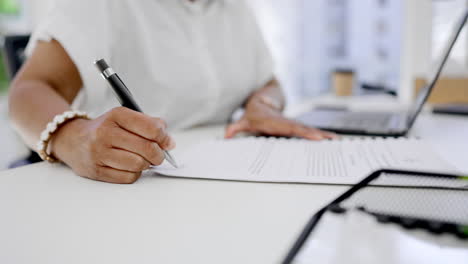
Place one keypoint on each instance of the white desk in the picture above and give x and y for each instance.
(49, 215)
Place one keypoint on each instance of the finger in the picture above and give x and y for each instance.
(237, 127)
(307, 133)
(147, 149)
(300, 130)
(290, 128)
(111, 175)
(124, 160)
(153, 129)
(330, 135)
(324, 134)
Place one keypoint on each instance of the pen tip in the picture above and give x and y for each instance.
(171, 160)
(174, 163)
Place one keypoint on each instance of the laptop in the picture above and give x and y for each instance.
(380, 123)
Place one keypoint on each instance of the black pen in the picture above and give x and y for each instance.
(124, 95)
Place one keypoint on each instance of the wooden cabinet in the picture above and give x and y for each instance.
(447, 90)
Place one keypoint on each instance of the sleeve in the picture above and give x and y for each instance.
(82, 28)
(264, 60)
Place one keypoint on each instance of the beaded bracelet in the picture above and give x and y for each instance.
(51, 128)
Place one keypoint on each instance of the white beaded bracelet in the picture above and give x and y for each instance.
(52, 127)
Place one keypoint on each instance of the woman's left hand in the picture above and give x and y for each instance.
(260, 118)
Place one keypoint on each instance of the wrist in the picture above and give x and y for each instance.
(43, 145)
(265, 101)
(258, 109)
(63, 141)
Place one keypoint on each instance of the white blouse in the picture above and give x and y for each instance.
(190, 63)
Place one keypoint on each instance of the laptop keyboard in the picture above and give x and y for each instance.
(369, 121)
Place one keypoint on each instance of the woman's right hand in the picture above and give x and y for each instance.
(115, 147)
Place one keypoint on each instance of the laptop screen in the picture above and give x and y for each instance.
(423, 95)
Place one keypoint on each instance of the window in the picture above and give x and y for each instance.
(310, 39)
(445, 15)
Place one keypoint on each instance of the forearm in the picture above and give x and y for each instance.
(270, 94)
(33, 104)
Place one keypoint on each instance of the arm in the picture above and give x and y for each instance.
(44, 88)
(263, 115)
(115, 147)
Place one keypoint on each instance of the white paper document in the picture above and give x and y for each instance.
(295, 160)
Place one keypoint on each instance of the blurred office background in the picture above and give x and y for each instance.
(387, 44)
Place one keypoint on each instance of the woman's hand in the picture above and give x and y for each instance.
(261, 118)
(116, 147)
